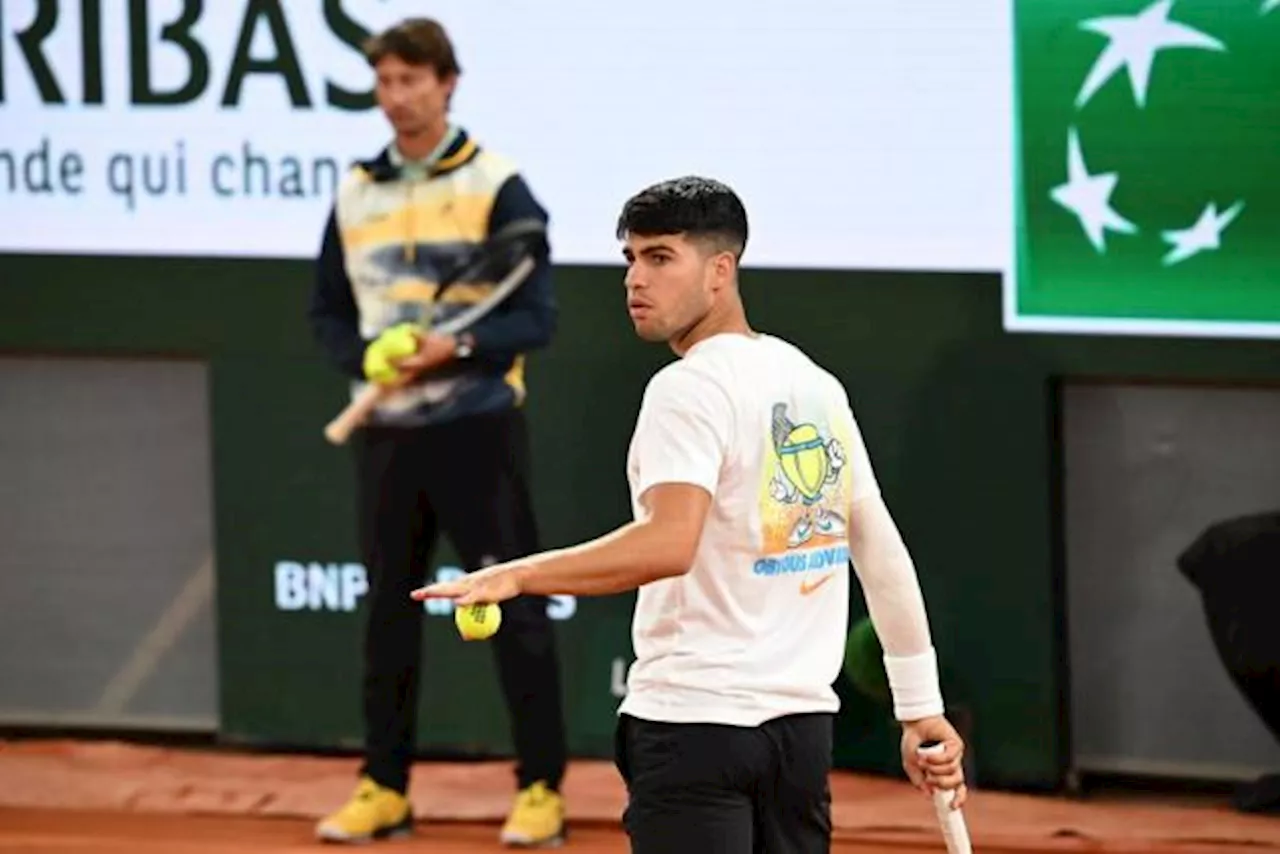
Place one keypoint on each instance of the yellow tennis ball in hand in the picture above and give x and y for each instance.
(477, 622)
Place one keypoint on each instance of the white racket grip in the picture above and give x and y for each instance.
(954, 830)
(340, 428)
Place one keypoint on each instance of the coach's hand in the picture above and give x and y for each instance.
(385, 354)
(433, 351)
(494, 584)
(941, 770)
(402, 352)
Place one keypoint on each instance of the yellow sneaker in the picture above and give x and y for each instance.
(536, 820)
(374, 812)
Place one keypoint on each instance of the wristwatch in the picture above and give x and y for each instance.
(464, 346)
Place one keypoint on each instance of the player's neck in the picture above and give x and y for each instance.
(732, 320)
(420, 144)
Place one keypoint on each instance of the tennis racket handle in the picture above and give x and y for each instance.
(954, 831)
(356, 412)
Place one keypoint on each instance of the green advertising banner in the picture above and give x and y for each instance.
(293, 593)
(303, 685)
(948, 403)
(1147, 159)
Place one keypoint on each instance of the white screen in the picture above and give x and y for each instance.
(859, 134)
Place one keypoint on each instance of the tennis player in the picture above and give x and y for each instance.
(449, 451)
(751, 489)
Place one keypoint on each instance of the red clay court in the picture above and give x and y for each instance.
(76, 797)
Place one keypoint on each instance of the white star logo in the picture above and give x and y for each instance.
(1204, 235)
(1134, 42)
(1268, 5)
(1089, 197)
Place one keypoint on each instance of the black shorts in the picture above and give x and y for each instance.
(717, 789)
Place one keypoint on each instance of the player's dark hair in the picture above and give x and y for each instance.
(702, 209)
(417, 41)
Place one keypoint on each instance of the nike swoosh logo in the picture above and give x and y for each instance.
(807, 587)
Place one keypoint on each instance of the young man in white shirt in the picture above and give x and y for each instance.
(751, 490)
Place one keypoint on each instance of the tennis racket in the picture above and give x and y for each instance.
(954, 830)
(508, 252)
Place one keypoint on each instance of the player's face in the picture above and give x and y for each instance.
(669, 285)
(412, 97)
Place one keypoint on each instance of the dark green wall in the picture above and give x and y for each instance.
(959, 417)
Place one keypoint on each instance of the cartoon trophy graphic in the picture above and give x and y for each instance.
(806, 466)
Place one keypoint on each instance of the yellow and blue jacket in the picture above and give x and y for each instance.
(393, 228)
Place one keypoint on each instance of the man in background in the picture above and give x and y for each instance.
(449, 451)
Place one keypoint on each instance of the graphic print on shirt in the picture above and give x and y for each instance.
(805, 493)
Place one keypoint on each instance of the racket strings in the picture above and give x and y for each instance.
(490, 262)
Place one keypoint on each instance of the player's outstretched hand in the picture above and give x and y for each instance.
(942, 769)
(486, 586)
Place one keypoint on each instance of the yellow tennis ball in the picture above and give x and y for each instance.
(477, 622)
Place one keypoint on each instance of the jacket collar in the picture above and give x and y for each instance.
(455, 150)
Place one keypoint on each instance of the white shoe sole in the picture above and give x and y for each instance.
(329, 833)
(513, 840)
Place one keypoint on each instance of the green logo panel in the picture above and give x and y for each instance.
(1148, 167)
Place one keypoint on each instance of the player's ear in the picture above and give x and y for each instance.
(725, 268)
